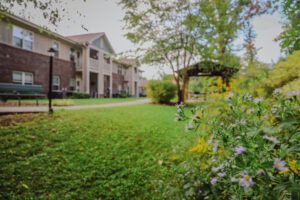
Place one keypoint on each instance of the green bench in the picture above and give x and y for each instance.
(17, 91)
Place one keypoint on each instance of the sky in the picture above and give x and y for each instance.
(106, 16)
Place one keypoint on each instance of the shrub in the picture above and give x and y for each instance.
(161, 91)
(123, 95)
(79, 95)
(63, 102)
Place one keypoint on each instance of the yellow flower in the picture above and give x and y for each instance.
(201, 147)
(284, 171)
(293, 167)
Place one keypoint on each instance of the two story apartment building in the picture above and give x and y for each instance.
(82, 62)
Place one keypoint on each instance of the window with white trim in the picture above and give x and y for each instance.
(72, 84)
(22, 38)
(56, 83)
(72, 54)
(120, 69)
(55, 46)
(24, 78)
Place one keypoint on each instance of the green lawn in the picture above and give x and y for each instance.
(114, 153)
(85, 101)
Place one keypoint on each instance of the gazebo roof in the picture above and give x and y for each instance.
(210, 68)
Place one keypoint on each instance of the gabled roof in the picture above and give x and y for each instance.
(22, 22)
(85, 37)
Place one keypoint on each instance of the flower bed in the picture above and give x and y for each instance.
(247, 148)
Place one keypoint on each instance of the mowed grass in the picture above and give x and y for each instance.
(90, 101)
(113, 153)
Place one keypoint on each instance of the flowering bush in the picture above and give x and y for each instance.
(248, 148)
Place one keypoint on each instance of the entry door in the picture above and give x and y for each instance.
(135, 89)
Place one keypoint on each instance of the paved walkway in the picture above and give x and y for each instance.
(33, 109)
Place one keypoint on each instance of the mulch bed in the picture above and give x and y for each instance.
(17, 119)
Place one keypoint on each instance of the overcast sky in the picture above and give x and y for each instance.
(106, 15)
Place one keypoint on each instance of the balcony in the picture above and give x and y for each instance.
(78, 65)
(94, 64)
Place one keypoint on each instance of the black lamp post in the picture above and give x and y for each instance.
(51, 52)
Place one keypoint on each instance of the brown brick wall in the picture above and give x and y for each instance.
(118, 79)
(16, 59)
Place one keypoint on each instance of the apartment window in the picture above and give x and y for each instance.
(72, 84)
(119, 69)
(106, 58)
(78, 86)
(55, 83)
(135, 70)
(22, 38)
(120, 89)
(23, 78)
(72, 54)
(94, 54)
(56, 48)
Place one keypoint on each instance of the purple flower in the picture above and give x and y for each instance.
(261, 172)
(239, 150)
(215, 169)
(213, 181)
(230, 94)
(257, 100)
(273, 110)
(221, 174)
(272, 139)
(250, 110)
(291, 93)
(280, 165)
(234, 180)
(215, 148)
(278, 90)
(207, 197)
(245, 181)
(179, 110)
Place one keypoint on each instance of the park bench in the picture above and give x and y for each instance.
(17, 91)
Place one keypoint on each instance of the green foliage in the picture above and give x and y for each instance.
(161, 91)
(79, 95)
(248, 148)
(195, 85)
(286, 74)
(289, 38)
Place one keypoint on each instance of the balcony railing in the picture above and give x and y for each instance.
(78, 65)
(94, 64)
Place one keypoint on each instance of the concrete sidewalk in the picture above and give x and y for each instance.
(35, 109)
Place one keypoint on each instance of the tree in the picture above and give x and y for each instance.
(290, 37)
(249, 45)
(286, 74)
(178, 33)
(52, 10)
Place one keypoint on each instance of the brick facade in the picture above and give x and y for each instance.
(16, 59)
(118, 79)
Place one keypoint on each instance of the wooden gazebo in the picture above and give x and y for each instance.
(210, 68)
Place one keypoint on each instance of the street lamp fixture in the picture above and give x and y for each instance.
(51, 52)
